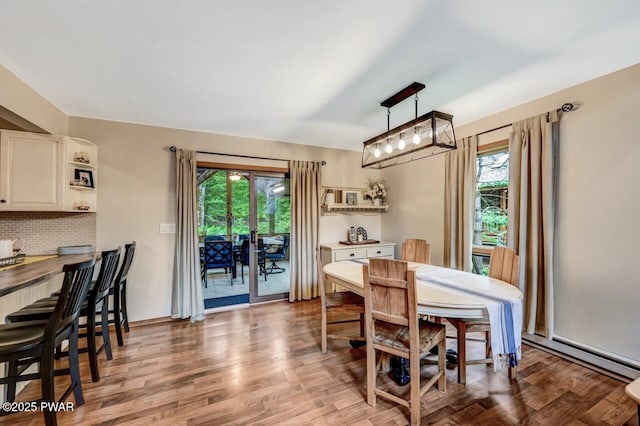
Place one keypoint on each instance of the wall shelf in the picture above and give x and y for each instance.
(345, 208)
(334, 201)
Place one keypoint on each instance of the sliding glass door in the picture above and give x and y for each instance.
(244, 224)
(272, 224)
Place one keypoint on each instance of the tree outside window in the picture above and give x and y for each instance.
(223, 205)
(490, 224)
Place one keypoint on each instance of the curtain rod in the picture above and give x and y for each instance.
(568, 107)
(173, 149)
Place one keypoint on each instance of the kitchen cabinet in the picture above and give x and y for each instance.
(31, 171)
(40, 172)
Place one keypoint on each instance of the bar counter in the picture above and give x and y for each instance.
(28, 274)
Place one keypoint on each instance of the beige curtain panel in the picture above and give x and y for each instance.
(533, 148)
(459, 203)
(305, 224)
(187, 300)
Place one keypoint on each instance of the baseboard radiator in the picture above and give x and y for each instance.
(604, 362)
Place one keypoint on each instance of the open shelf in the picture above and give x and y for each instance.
(342, 194)
(350, 208)
(82, 165)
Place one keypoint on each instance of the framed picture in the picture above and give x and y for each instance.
(85, 176)
(352, 198)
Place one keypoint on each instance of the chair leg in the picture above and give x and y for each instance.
(414, 404)
(116, 319)
(442, 365)
(91, 344)
(10, 388)
(462, 352)
(324, 329)
(371, 375)
(74, 366)
(123, 306)
(104, 321)
(48, 385)
(513, 372)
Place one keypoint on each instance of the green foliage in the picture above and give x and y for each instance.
(212, 208)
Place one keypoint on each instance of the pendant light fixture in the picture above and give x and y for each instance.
(429, 134)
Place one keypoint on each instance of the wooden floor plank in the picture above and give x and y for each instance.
(263, 366)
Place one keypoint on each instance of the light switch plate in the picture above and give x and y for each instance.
(167, 228)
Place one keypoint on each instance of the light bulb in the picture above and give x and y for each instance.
(401, 143)
(376, 153)
(416, 138)
(388, 148)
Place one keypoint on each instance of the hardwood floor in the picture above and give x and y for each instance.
(263, 365)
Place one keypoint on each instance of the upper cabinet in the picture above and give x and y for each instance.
(47, 173)
(31, 171)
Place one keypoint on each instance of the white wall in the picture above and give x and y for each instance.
(597, 286)
(136, 194)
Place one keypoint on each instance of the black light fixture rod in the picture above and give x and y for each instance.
(388, 119)
(174, 149)
(566, 107)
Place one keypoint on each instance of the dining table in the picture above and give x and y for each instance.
(433, 299)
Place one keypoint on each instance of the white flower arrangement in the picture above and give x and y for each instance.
(377, 190)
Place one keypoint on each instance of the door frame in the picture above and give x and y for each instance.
(252, 171)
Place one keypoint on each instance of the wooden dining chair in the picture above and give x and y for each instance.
(344, 302)
(415, 250)
(504, 265)
(393, 327)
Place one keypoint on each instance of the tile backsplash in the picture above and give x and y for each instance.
(44, 232)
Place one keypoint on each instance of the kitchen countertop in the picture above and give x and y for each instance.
(30, 273)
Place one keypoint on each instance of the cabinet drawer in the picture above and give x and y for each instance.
(349, 254)
(380, 251)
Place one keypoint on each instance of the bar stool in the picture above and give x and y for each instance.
(96, 303)
(29, 342)
(119, 292)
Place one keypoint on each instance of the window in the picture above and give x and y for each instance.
(492, 182)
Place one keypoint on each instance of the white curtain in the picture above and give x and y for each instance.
(187, 300)
(305, 224)
(533, 148)
(459, 203)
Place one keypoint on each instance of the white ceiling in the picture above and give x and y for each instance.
(308, 72)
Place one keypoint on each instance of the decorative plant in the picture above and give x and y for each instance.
(377, 190)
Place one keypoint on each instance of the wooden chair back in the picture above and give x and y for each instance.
(121, 278)
(75, 286)
(504, 265)
(106, 276)
(414, 250)
(390, 293)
